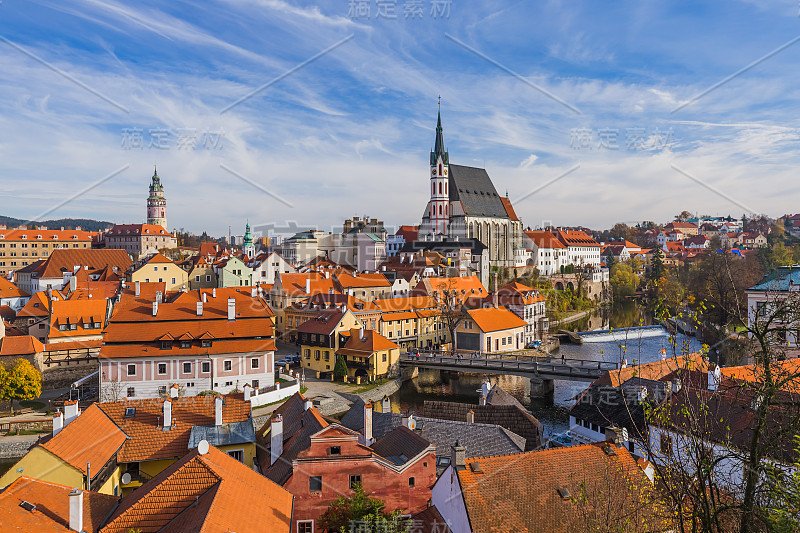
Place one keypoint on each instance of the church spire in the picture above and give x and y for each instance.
(438, 147)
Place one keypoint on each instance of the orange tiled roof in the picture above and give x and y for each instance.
(576, 238)
(74, 446)
(544, 239)
(64, 260)
(147, 438)
(37, 306)
(77, 311)
(467, 286)
(495, 319)
(519, 492)
(347, 280)
(509, 209)
(656, 370)
(372, 342)
(52, 507)
(159, 258)
(405, 303)
(21, 345)
(205, 494)
(294, 284)
(46, 235)
(9, 290)
(138, 229)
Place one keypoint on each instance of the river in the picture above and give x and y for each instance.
(638, 344)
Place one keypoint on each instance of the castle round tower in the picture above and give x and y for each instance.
(156, 203)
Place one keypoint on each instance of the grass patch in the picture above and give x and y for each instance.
(303, 390)
(32, 404)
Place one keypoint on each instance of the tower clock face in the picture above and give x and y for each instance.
(433, 172)
(445, 172)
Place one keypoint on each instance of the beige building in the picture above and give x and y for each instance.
(490, 330)
(369, 354)
(200, 272)
(320, 338)
(140, 239)
(22, 247)
(160, 269)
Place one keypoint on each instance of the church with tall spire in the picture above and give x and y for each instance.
(464, 204)
(156, 202)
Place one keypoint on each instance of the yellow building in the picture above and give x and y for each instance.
(413, 322)
(161, 269)
(369, 354)
(321, 337)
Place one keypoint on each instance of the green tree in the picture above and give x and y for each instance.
(340, 369)
(361, 511)
(610, 259)
(20, 381)
(623, 280)
(657, 268)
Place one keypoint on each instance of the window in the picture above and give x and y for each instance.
(187, 368)
(166, 345)
(308, 353)
(162, 390)
(237, 454)
(384, 357)
(186, 344)
(305, 526)
(197, 278)
(254, 362)
(355, 480)
(227, 366)
(255, 383)
(335, 450)
(173, 281)
(208, 278)
(131, 392)
(666, 444)
(162, 368)
(206, 344)
(315, 484)
(205, 367)
(131, 370)
(411, 482)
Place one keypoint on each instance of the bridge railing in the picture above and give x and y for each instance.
(557, 366)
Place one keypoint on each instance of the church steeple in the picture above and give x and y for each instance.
(438, 147)
(439, 206)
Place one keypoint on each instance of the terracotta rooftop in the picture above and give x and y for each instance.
(544, 239)
(138, 229)
(349, 281)
(64, 260)
(206, 493)
(20, 345)
(9, 290)
(372, 342)
(575, 238)
(147, 439)
(491, 319)
(655, 371)
(51, 513)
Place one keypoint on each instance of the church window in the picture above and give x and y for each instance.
(445, 187)
(440, 171)
(440, 209)
(445, 209)
(440, 188)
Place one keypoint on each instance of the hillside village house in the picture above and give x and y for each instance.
(267, 266)
(139, 239)
(321, 337)
(55, 271)
(218, 339)
(160, 269)
(22, 247)
(490, 330)
(687, 228)
(547, 252)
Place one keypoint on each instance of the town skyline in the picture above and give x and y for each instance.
(569, 121)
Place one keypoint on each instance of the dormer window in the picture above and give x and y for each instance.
(166, 345)
(206, 344)
(75, 237)
(186, 344)
(24, 237)
(39, 237)
(335, 450)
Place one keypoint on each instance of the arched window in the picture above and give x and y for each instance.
(440, 169)
(445, 209)
(440, 187)
(445, 187)
(440, 209)
(433, 188)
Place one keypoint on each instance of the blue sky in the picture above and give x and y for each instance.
(531, 90)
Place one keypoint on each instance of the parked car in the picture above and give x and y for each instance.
(285, 361)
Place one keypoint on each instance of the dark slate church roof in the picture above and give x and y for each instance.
(474, 189)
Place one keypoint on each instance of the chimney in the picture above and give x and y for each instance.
(307, 404)
(218, 410)
(173, 390)
(247, 390)
(616, 436)
(471, 416)
(58, 422)
(253, 292)
(482, 400)
(714, 377)
(76, 510)
(73, 284)
(486, 386)
(308, 285)
(386, 405)
(368, 440)
(231, 309)
(158, 296)
(677, 385)
(458, 456)
(205, 297)
(276, 439)
(138, 288)
(155, 308)
(199, 308)
(361, 334)
(71, 411)
(214, 292)
(168, 413)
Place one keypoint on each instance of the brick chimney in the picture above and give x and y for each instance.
(167, 414)
(76, 510)
(218, 410)
(471, 416)
(199, 308)
(58, 422)
(368, 440)
(276, 439)
(458, 456)
(231, 309)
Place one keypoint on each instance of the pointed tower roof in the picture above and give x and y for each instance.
(155, 182)
(248, 237)
(438, 147)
